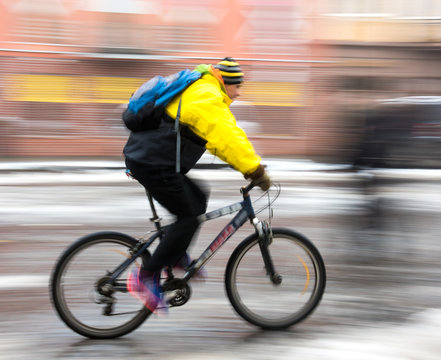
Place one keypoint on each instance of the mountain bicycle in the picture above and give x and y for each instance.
(274, 278)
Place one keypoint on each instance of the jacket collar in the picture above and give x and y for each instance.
(216, 73)
(210, 69)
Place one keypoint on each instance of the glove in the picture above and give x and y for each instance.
(260, 178)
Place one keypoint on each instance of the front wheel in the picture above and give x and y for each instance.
(287, 298)
(82, 294)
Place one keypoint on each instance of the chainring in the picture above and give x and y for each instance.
(176, 291)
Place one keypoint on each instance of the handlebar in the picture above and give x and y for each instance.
(246, 189)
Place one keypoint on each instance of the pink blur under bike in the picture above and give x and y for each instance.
(274, 278)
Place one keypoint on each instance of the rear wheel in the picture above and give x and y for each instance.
(287, 298)
(82, 294)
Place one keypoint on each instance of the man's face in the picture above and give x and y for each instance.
(233, 90)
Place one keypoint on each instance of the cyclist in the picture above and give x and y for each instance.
(150, 156)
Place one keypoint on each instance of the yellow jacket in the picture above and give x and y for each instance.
(205, 110)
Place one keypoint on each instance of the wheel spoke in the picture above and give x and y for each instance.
(85, 297)
(290, 295)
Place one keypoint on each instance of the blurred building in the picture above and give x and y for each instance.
(383, 50)
(68, 67)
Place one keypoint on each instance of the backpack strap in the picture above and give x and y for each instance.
(178, 138)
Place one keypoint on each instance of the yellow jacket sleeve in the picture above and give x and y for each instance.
(205, 109)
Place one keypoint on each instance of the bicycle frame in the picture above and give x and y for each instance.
(245, 211)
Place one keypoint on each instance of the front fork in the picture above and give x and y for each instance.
(265, 238)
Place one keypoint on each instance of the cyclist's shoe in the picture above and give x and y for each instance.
(144, 286)
(185, 261)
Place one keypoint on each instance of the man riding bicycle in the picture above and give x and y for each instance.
(207, 124)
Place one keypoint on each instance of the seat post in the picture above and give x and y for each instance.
(155, 219)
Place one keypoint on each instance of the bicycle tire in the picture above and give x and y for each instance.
(265, 304)
(77, 319)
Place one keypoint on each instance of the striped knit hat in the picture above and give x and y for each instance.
(230, 71)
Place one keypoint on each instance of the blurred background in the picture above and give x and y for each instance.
(331, 86)
(314, 71)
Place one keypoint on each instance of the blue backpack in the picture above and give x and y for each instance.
(147, 105)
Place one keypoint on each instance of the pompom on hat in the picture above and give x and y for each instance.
(230, 71)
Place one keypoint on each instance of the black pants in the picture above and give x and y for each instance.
(182, 197)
